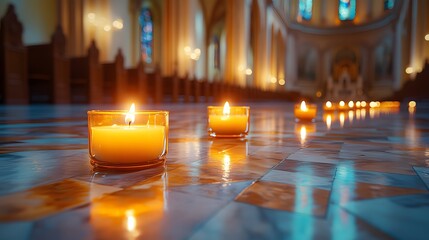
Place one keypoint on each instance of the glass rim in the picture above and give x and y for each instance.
(138, 112)
(245, 107)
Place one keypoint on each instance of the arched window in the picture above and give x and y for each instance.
(346, 9)
(388, 4)
(146, 35)
(305, 9)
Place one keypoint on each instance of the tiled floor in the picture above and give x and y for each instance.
(360, 174)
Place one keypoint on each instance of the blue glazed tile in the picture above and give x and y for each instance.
(346, 174)
(423, 173)
(243, 221)
(404, 217)
(16, 230)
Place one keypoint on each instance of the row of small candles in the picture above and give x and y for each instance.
(139, 139)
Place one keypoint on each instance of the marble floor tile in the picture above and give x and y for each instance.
(404, 217)
(49, 199)
(288, 197)
(304, 178)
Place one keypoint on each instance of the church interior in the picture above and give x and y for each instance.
(280, 119)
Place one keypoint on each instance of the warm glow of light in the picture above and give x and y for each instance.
(351, 104)
(377, 104)
(226, 108)
(328, 121)
(358, 104)
(363, 113)
(118, 24)
(328, 104)
(197, 51)
(130, 116)
(187, 50)
(248, 71)
(303, 134)
(342, 104)
(107, 28)
(131, 220)
(411, 110)
(342, 118)
(91, 16)
(318, 94)
(409, 70)
(372, 104)
(363, 104)
(358, 114)
(273, 80)
(351, 116)
(412, 104)
(226, 166)
(427, 37)
(282, 82)
(303, 107)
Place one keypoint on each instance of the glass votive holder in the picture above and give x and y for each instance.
(305, 112)
(116, 142)
(233, 124)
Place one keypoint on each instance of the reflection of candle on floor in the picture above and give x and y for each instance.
(304, 112)
(303, 133)
(328, 121)
(342, 118)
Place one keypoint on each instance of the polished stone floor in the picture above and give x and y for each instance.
(361, 174)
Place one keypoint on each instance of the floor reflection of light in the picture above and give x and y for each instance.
(351, 116)
(371, 113)
(363, 113)
(411, 110)
(342, 119)
(343, 224)
(226, 167)
(358, 114)
(131, 223)
(303, 224)
(328, 121)
(303, 134)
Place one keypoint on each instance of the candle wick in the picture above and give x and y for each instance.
(129, 124)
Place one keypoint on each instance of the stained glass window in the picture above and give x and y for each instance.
(346, 9)
(388, 4)
(305, 9)
(146, 35)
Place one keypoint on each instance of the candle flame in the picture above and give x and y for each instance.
(342, 103)
(303, 106)
(130, 117)
(328, 104)
(226, 109)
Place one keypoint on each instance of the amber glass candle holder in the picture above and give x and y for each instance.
(308, 113)
(232, 124)
(118, 140)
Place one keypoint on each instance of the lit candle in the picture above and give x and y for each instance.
(115, 143)
(228, 121)
(304, 112)
(342, 105)
(328, 106)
